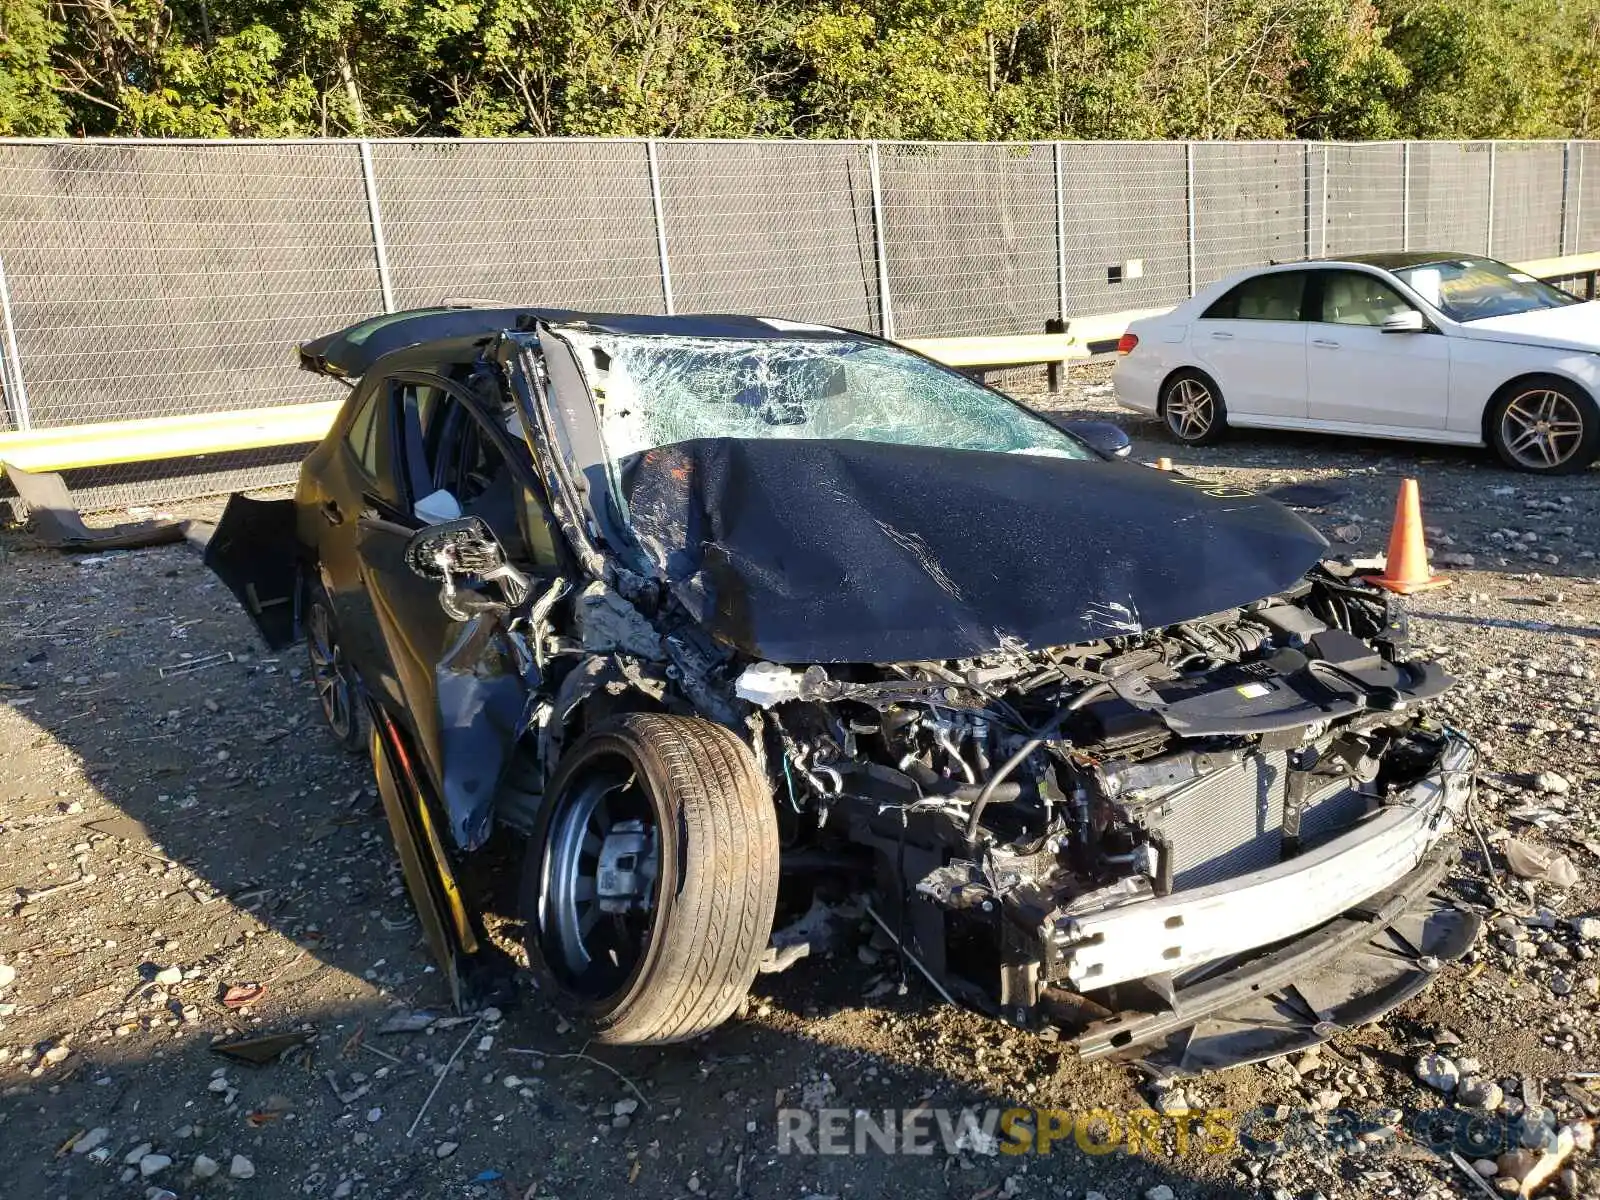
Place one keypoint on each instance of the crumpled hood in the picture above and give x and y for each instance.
(1572, 327)
(838, 551)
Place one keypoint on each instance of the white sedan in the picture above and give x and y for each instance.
(1430, 347)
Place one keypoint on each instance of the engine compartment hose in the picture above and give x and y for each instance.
(1040, 736)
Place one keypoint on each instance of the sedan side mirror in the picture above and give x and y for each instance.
(466, 546)
(1108, 438)
(1410, 321)
(465, 550)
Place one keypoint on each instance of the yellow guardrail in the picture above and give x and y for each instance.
(1561, 268)
(151, 439)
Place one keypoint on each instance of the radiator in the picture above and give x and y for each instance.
(1230, 822)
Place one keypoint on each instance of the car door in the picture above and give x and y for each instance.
(1356, 371)
(1252, 341)
(461, 686)
(348, 479)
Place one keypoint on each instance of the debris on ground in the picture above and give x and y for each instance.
(1527, 861)
(239, 995)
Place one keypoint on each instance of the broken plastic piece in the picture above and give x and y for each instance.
(255, 551)
(766, 684)
(1543, 866)
(408, 1021)
(261, 1050)
(56, 518)
(191, 665)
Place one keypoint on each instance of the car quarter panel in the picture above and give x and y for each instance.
(1136, 377)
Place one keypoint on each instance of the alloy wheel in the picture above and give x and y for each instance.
(597, 895)
(1190, 409)
(329, 673)
(1541, 429)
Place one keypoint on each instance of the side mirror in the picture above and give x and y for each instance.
(462, 547)
(1410, 321)
(1109, 439)
(465, 550)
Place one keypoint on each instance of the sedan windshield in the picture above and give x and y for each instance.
(654, 391)
(1470, 289)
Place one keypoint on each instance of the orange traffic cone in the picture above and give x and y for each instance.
(1406, 570)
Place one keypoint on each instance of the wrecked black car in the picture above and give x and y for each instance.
(718, 614)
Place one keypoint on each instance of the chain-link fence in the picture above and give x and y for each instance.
(145, 279)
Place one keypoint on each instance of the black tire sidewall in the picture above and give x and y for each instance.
(1588, 447)
(606, 741)
(355, 741)
(1219, 420)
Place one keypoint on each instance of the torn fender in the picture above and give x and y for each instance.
(799, 550)
(484, 681)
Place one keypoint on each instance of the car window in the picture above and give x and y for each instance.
(654, 390)
(360, 435)
(369, 439)
(460, 456)
(424, 409)
(1357, 298)
(1469, 289)
(1276, 296)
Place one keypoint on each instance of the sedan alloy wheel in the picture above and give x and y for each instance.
(1542, 428)
(1192, 408)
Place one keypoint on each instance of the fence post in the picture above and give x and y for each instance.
(1566, 186)
(1188, 191)
(1322, 204)
(661, 226)
(1405, 195)
(375, 218)
(1305, 194)
(1488, 237)
(16, 390)
(885, 308)
(1577, 203)
(1061, 236)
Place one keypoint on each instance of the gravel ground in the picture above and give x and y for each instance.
(167, 836)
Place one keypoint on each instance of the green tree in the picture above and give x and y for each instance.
(933, 69)
(30, 103)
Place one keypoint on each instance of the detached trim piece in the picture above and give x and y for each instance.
(55, 518)
(1171, 934)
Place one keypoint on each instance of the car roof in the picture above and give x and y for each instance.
(1395, 260)
(435, 334)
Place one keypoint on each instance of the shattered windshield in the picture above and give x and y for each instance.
(656, 391)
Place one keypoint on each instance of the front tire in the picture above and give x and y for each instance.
(1191, 408)
(651, 878)
(1545, 426)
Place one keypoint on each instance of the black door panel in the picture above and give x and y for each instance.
(255, 552)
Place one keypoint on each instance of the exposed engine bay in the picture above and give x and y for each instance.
(1010, 800)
